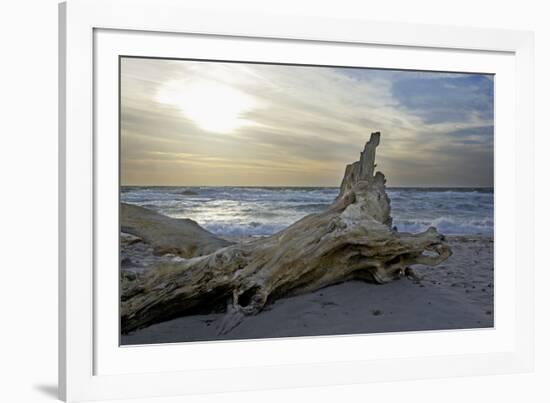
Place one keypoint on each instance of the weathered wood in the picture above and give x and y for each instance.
(352, 239)
(181, 237)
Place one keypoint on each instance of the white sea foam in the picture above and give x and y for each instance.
(264, 211)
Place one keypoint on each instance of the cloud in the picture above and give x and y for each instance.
(447, 99)
(301, 125)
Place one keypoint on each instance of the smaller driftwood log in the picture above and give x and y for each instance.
(352, 239)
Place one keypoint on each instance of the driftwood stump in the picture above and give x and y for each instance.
(352, 239)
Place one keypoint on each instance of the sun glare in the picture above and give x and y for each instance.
(211, 105)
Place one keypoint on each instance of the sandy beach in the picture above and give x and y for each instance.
(458, 294)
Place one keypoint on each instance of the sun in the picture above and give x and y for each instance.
(211, 105)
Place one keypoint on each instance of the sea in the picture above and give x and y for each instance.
(260, 211)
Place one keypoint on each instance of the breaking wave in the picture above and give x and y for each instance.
(259, 211)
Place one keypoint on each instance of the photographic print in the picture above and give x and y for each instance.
(274, 200)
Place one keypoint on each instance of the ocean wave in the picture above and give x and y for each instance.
(252, 228)
(265, 210)
(447, 225)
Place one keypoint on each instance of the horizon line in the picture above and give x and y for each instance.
(312, 186)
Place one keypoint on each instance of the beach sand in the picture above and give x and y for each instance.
(458, 294)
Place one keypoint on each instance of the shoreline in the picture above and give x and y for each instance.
(241, 211)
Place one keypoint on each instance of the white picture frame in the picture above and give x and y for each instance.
(92, 366)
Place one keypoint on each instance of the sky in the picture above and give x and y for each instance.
(193, 123)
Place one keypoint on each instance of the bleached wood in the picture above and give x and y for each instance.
(352, 239)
